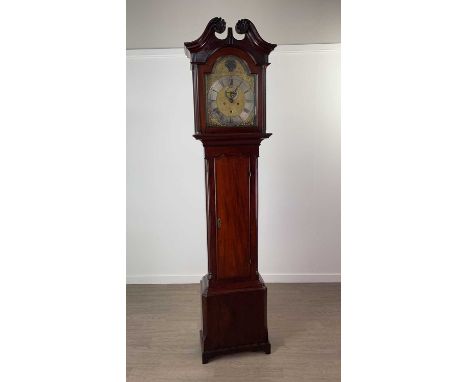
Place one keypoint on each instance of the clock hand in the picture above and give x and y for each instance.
(233, 94)
(230, 95)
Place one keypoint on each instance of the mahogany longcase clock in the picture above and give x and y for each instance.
(229, 103)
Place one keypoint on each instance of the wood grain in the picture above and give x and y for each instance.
(163, 339)
(232, 212)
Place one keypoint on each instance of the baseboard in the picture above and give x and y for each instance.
(164, 279)
(302, 278)
(269, 278)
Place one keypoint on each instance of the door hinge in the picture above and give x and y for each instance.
(218, 223)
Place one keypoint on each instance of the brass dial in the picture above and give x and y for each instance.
(231, 94)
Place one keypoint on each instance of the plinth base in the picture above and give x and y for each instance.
(233, 320)
(207, 355)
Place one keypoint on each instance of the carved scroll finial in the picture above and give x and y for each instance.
(242, 26)
(245, 26)
(216, 24)
(219, 25)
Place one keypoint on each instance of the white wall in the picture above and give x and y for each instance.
(299, 169)
(169, 23)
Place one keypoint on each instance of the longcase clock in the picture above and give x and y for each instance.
(229, 103)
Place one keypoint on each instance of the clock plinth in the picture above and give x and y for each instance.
(229, 100)
(234, 320)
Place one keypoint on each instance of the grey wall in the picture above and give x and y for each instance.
(169, 23)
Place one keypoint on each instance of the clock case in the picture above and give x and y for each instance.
(233, 294)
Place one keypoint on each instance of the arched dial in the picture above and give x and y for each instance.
(231, 94)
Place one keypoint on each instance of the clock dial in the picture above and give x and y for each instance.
(231, 94)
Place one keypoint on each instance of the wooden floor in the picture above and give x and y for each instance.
(163, 340)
